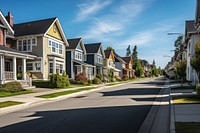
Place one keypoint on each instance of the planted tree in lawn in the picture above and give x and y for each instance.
(195, 62)
(181, 70)
(135, 57)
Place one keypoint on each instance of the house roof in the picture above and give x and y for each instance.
(8, 49)
(5, 23)
(73, 43)
(119, 59)
(126, 59)
(33, 27)
(107, 53)
(197, 12)
(92, 47)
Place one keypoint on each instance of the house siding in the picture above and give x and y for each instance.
(90, 59)
(68, 63)
(38, 49)
(1, 36)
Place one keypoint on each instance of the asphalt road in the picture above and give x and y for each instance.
(119, 109)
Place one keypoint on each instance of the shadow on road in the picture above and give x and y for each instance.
(133, 91)
(118, 119)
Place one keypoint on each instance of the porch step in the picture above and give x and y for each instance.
(29, 87)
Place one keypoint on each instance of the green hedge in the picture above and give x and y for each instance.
(96, 81)
(12, 87)
(59, 81)
(42, 84)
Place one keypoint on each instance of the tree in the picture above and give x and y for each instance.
(128, 51)
(154, 63)
(181, 70)
(135, 57)
(110, 48)
(178, 42)
(139, 71)
(195, 61)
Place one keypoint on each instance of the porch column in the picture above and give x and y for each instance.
(24, 69)
(95, 71)
(14, 68)
(1, 68)
(54, 65)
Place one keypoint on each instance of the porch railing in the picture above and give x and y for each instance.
(9, 75)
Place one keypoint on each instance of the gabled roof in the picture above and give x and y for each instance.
(33, 27)
(197, 16)
(107, 53)
(5, 23)
(126, 59)
(73, 43)
(119, 59)
(92, 47)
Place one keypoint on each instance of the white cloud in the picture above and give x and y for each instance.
(116, 21)
(87, 10)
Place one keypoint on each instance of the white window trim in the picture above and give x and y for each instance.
(59, 63)
(22, 45)
(33, 65)
(49, 67)
(79, 53)
(56, 49)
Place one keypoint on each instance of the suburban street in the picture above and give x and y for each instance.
(120, 109)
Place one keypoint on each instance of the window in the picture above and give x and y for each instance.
(99, 60)
(26, 44)
(37, 66)
(61, 68)
(50, 67)
(55, 47)
(29, 66)
(78, 55)
(60, 49)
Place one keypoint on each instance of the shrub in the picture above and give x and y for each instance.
(19, 75)
(198, 89)
(12, 87)
(125, 77)
(81, 77)
(72, 81)
(42, 83)
(59, 81)
(96, 81)
(99, 76)
(90, 82)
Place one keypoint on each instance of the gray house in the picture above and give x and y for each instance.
(75, 60)
(95, 56)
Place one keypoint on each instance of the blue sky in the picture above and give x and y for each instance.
(116, 23)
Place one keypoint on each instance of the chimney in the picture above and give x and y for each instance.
(9, 18)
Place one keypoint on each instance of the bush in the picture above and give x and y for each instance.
(96, 81)
(59, 81)
(90, 82)
(99, 76)
(72, 81)
(125, 77)
(12, 87)
(81, 77)
(42, 83)
(19, 75)
(198, 89)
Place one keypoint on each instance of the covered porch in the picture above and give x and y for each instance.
(89, 70)
(13, 64)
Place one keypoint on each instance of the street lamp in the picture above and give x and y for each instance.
(174, 33)
(167, 56)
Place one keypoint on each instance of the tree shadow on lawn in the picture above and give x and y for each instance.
(117, 119)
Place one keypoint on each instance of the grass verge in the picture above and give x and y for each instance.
(187, 127)
(9, 103)
(111, 84)
(184, 88)
(8, 94)
(190, 99)
(53, 95)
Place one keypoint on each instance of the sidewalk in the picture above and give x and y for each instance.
(31, 99)
(183, 112)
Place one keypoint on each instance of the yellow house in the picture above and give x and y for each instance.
(46, 40)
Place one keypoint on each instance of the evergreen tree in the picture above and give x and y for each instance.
(154, 63)
(128, 51)
(178, 42)
(110, 48)
(135, 57)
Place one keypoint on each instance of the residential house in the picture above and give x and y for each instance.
(120, 64)
(145, 65)
(95, 56)
(191, 39)
(129, 64)
(9, 57)
(46, 40)
(109, 64)
(76, 58)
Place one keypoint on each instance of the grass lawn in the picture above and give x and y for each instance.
(191, 99)
(8, 94)
(53, 95)
(9, 103)
(187, 127)
(184, 88)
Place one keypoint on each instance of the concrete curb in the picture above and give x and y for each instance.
(172, 117)
(148, 124)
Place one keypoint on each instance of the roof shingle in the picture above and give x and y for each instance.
(92, 47)
(73, 43)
